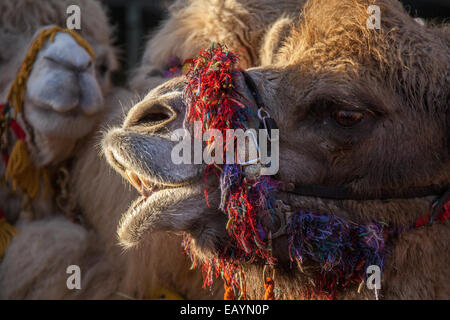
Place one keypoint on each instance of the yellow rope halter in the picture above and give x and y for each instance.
(20, 170)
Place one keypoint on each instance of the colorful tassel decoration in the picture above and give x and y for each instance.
(268, 287)
(229, 293)
(343, 250)
(212, 100)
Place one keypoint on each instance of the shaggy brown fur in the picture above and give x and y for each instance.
(396, 77)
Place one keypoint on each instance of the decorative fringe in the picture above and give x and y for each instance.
(7, 231)
(245, 200)
(342, 249)
(211, 99)
(268, 287)
(23, 174)
(229, 292)
(210, 94)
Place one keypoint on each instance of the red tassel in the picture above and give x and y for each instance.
(17, 129)
(422, 220)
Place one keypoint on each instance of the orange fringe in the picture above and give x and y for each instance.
(229, 293)
(268, 286)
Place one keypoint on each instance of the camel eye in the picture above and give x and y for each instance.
(347, 118)
(102, 69)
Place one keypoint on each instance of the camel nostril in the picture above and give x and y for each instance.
(154, 115)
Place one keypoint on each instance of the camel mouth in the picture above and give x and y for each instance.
(68, 112)
(145, 184)
(72, 123)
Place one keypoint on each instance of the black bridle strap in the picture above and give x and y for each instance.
(345, 193)
(253, 90)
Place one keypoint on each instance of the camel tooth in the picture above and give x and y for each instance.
(134, 179)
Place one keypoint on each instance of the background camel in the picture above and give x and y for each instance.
(361, 108)
(65, 89)
(63, 104)
(101, 197)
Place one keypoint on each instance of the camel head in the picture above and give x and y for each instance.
(64, 91)
(365, 109)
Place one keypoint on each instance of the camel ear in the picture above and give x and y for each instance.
(274, 38)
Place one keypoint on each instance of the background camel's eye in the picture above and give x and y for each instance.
(102, 69)
(347, 118)
(102, 65)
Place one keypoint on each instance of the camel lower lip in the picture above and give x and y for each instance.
(148, 196)
(144, 198)
(147, 214)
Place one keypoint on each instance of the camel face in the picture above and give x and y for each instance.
(63, 95)
(360, 108)
(64, 91)
(147, 133)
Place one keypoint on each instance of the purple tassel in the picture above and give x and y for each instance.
(341, 248)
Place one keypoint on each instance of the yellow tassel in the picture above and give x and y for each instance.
(21, 171)
(48, 190)
(7, 231)
(360, 286)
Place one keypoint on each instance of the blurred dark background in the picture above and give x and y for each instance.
(136, 19)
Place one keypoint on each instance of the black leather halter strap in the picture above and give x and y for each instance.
(442, 193)
(345, 193)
